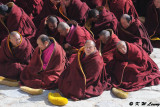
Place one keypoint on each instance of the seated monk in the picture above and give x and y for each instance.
(106, 44)
(86, 75)
(75, 10)
(133, 68)
(13, 18)
(48, 26)
(46, 65)
(133, 31)
(15, 53)
(75, 36)
(152, 22)
(101, 20)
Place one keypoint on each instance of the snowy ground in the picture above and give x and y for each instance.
(146, 97)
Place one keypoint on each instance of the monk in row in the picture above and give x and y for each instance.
(15, 54)
(86, 76)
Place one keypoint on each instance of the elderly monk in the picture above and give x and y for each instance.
(133, 31)
(48, 26)
(13, 18)
(106, 45)
(86, 76)
(75, 36)
(152, 22)
(133, 68)
(75, 10)
(46, 65)
(101, 20)
(15, 54)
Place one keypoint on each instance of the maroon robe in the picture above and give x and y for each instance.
(43, 29)
(80, 12)
(78, 37)
(94, 3)
(14, 60)
(152, 23)
(6, 1)
(120, 7)
(35, 77)
(17, 20)
(85, 77)
(134, 70)
(136, 33)
(106, 20)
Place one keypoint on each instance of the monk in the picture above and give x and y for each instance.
(152, 22)
(48, 26)
(106, 44)
(13, 18)
(133, 68)
(133, 31)
(75, 10)
(86, 76)
(75, 36)
(101, 20)
(46, 65)
(15, 53)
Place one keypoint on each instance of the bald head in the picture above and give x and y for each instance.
(52, 22)
(93, 13)
(125, 21)
(104, 36)
(43, 41)
(63, 28)
(89, 47)
(14, 38)
(122, 47)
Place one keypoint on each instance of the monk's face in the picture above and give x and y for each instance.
(41, 45)
(15, 40)
(104, 39)
(89, 48)
(66, 2)
(122, 48)
(124, 23)
(52, 26)
(55, 2)
(63, 32)
(157, 3)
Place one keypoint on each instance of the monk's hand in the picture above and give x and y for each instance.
(67, 45)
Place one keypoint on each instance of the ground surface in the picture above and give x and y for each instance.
(146, 97)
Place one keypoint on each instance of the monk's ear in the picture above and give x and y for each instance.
(46, 43)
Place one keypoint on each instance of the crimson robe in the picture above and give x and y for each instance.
(120, 7)
(35, 77)
(43, 29)
(17, 20)
(85, 77)
(77, 11)
(14, 60)
(136, 33)
(106, 20)
(152, 23)
(79, 36)
(134, 70)
(94, 3)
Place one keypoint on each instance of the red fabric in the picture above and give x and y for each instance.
(136, 33)
(93, 3)
(18, 20)
(79, 37)
(152, 23)
(72, 81)
(107, 20)
(13, 60)
(35, 77)
(43, 29)
(134, 70)
(120, 7)
(6, 1)
(77, 11)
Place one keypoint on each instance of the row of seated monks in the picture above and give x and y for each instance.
(81, 47)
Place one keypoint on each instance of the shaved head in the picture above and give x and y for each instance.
(43, 41)
(122, 47)
(89, 47)
(14, 34)
(104, 36)
(52, 19)
(63, 28)
(15, 38)
(90, 42)
(93, 13)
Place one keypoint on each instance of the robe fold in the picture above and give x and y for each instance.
(106, 20)
(85, 77)
(94, 3)
(152, 24)
(43, 29)
(17, 20)
(35, 76)
(14, 59)
(134, 70)
(136, 33)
